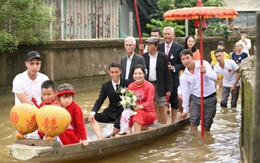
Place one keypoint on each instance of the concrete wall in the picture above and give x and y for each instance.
(250, 121)
(247, 68)
(255, 142)
(77, 59)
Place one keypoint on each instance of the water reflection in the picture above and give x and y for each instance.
(220, 145)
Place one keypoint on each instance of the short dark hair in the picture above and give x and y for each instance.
(193, 49)
(221, 43)
(218, 50)
(186, 52)
(48, 84)
(118, 65)
(242, 31)
(157, 30)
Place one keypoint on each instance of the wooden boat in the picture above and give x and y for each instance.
(40, 150)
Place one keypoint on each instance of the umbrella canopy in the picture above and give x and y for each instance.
(199, 14)
(200, 11)
(196, 12)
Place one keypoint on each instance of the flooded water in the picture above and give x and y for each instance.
(220, 145)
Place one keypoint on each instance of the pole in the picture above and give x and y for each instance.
(186, 27)
(201, 80)
(138, 24)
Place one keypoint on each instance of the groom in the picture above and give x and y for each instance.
(113, 112)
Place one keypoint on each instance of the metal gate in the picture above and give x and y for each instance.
(83, 19)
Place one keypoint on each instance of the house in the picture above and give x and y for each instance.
(97, 19)
(247, 10)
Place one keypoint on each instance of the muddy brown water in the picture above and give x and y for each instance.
(220, 145)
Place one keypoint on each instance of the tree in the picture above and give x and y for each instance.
(165, 5)
(24, 22)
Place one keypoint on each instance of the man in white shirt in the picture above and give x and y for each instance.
(27, 85)
(229, 69)
(190, 86)
(245, 41)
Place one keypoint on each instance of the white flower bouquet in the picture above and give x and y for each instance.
(128, 101)
(128, 98)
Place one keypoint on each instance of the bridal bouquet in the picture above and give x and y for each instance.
(128, 101)
(128, 98)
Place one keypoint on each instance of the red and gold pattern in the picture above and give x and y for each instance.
(52, 120)
(196, 12)
(22, 117)
(200, 11)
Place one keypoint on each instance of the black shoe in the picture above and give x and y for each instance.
(233, 106)
(223, 105)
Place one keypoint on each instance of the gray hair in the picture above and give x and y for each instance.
(239, 43)
(170, 28)
(131, 38)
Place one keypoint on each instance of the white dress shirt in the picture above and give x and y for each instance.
(114, 84)
(128, 65)
(190, 83)
(152, 67)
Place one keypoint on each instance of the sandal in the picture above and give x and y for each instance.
(122, 133)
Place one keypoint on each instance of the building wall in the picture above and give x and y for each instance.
(83, 19)
(68, 60)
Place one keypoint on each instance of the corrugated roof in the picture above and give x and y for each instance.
(244, 5)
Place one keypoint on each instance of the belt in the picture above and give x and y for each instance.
(153, 82)
(209, 96)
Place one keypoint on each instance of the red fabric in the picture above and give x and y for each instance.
(65, 92)
(35, 102)
(76, 130)
(53, 102)
(145, 95)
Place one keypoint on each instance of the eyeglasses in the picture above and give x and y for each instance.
(129, 45)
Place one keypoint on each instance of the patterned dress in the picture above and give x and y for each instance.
(145, 94)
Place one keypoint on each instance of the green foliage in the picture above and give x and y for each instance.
(193, 3)
(217, 29)
(7, 41)
(216, 3)
(178, 29)
(24, 22)
(165, 5)
(185, 3)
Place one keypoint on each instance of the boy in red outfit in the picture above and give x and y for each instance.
(76, 131)
(48, 93)
(48, 97)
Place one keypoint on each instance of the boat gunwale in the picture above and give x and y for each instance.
(101, 148)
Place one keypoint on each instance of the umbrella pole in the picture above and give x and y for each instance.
(138, 25)
(201, 80)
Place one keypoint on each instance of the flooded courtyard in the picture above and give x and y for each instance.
(221, 144)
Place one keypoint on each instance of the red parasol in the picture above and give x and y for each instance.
(138, 24)
(199, 14)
